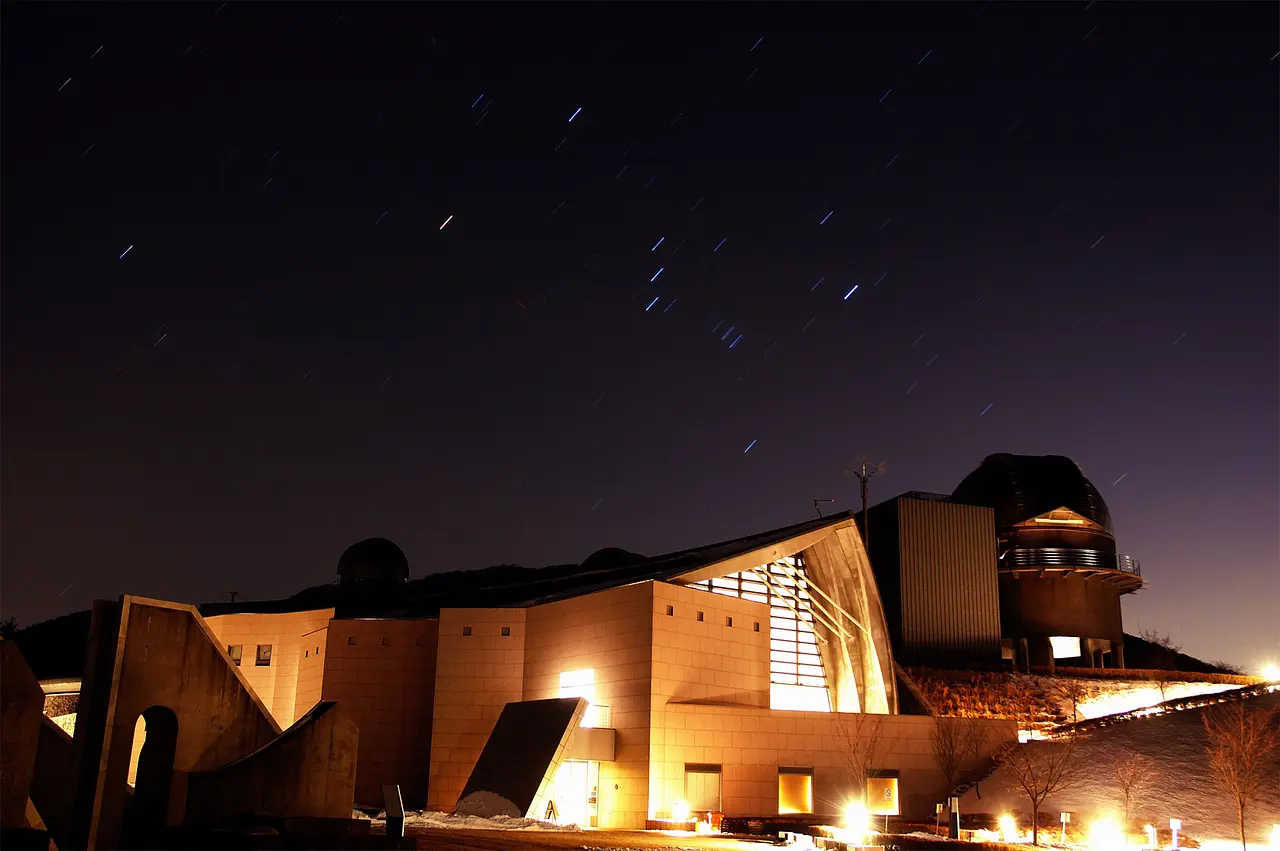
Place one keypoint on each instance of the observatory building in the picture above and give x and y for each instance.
(1060, 576)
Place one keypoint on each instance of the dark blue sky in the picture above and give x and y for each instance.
(1062, 215)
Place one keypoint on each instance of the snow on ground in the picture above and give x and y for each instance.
(450, 821)
(1184, 788)
(1126, 696)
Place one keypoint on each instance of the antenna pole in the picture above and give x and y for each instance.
(864, 474)
(817, 505)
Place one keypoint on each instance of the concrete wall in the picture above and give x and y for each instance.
(311, 671)
(277, 683)
(21, 708)
(308, 772)
(161, 654)
(476, 675)
(1031, 607)
(752, 744)
(383, 673)
(51, 780)
(608, 633)
(706, 661)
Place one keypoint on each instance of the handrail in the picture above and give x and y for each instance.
(1064, 557)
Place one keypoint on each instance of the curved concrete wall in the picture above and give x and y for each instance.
(1032, 607)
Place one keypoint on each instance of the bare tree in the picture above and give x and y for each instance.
(1241, 743)
(1161, 679)
(1073, 691)
(1133, 774)
(860, 738)
(1227, 667)
(973, 744)
(948, 751)
(1159, 639)
(9, 627)
(1038, 770)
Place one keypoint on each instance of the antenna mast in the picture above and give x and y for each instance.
(863, 472)
(817, 505)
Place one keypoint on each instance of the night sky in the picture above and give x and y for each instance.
(509, 284)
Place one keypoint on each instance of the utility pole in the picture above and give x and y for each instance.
(864, 472)
(817, 505)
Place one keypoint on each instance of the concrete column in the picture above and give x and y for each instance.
(1021, 657)
(1117, 654)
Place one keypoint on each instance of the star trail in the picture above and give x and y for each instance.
(1074, 203)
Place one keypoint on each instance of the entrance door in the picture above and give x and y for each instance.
(576, 790)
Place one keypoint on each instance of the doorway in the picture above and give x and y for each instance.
(148, 809)
(577, 791)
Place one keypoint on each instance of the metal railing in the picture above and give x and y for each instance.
(1062, 557)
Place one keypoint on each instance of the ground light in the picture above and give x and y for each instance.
(1105, 834)
(1175, 825)
(1271, 672)
(857, 823)
(1275, 836)
(680, 811)
(1008, 829)
(1151, 836)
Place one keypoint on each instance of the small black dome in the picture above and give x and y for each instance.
(610, 558)
(375, 559)
(1020, 487)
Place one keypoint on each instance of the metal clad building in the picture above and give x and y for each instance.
(935, 562)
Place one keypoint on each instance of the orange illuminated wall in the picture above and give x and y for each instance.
(383, 672)
(708, 651)
(311, 671)
(604, 639)
(478, 671)
(275, 684)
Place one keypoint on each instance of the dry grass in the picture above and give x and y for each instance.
(614, 840)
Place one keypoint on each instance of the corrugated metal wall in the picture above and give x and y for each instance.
(950, 597)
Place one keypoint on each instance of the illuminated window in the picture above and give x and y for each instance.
(702, 788)
(882, 793)
(1065, 646)
(235, 651)
(466, 630)
(506, 630)
(264, 656)
(798, 679)
(728, 621)
(795, 790)
(581, 683)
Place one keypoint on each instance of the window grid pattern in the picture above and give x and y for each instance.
(793, 647)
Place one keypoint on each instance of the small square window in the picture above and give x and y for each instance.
(386, 642)
(699, 615)
(728, 621)
(506, 630)
(755, 626)
(264, 656)
(235, 651)
(671, 610)
(466, 630)
(351, 639)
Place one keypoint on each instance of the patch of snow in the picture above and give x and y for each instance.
(452, 821)
(1125, 696)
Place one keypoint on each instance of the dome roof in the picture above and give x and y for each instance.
(610, 558)
(1019, 487)
(373, 559)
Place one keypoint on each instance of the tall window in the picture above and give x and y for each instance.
(264, 656)
(235, 651)
(795, 668)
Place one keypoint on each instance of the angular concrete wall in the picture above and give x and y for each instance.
(51, 780)
(150, 653)
(21, 708)
(308, 772)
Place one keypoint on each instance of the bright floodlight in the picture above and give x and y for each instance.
(1275, 836)
(1008, 829)
(1271, 672)
(857, 821)
(680, 811)
(1105, 834)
